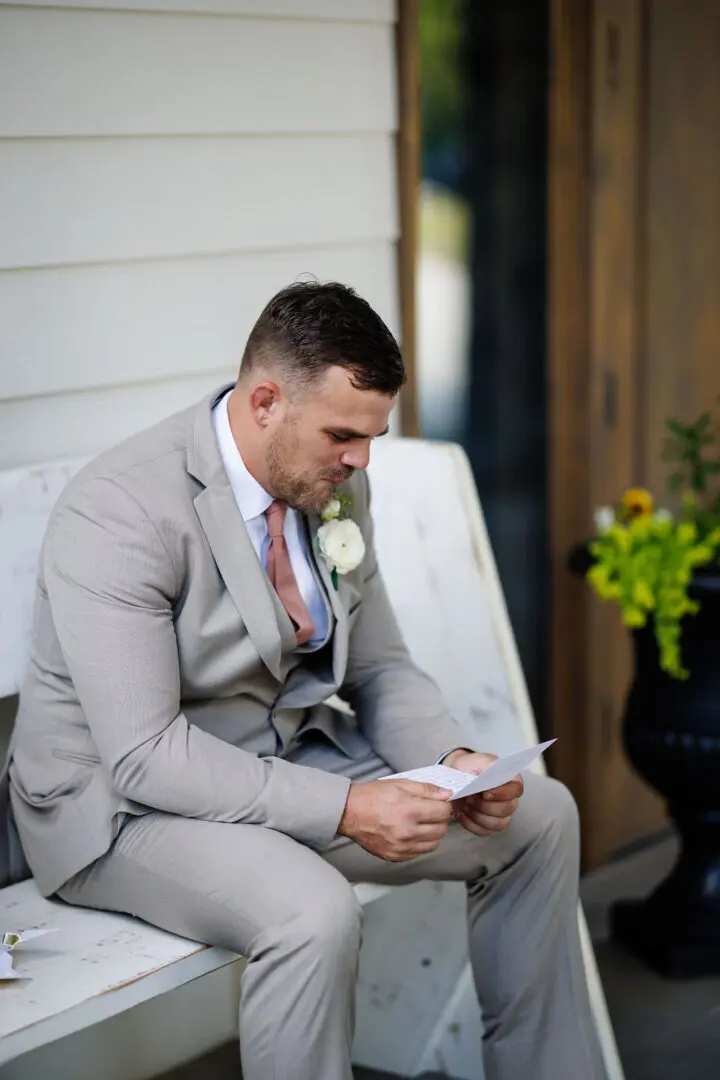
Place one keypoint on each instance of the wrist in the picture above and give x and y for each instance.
(345, 825)
(451, 760)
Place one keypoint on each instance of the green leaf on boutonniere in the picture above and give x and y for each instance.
(334, 578)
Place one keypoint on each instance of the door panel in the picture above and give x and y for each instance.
(634, 332)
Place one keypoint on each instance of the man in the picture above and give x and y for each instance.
(173, 755)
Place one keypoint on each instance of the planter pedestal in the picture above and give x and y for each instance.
(671, 733)
(676, 931)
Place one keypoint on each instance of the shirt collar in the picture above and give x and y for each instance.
(252, 499)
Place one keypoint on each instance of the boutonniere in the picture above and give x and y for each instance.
(339, 539)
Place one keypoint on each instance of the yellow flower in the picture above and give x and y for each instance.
(637, 502)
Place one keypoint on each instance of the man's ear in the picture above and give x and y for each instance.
(264, 399)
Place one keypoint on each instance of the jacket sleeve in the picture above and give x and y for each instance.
(399, 708)
(112, 584)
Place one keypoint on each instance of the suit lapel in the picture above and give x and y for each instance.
(267, 622)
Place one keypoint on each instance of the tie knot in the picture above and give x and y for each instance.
(275, 515)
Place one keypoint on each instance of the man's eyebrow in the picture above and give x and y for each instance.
(350, 433)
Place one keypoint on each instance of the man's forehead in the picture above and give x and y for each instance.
(338, 381)
(364, 417)
(345, 403)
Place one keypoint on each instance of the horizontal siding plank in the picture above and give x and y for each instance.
(45, 429)
(83, 327)
(69, 201)
(65, 73)
(84, 424)
(336, 10)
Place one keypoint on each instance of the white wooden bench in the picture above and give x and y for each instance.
(443, 583)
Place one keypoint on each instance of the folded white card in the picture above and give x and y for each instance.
(7, 970)
(9, 941)
(463, 784)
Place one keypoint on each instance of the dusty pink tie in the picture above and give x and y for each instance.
(281, 574)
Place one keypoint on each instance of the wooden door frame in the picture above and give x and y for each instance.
(569, 146)
(407, 53)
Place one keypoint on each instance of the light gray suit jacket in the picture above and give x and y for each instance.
(164, 672)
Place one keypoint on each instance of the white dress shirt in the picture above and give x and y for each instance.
(253, 501)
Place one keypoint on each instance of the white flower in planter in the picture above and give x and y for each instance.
(604, 518)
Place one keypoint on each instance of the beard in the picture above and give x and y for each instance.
(309, 494)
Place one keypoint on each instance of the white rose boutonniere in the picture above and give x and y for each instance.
(339, 539)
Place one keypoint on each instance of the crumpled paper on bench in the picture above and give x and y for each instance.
(9, 941)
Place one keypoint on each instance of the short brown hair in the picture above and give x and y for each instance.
(309, 326)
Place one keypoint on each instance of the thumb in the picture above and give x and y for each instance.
(432, 791)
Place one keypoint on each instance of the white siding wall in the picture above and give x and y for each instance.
(162, 173)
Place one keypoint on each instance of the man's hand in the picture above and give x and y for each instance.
(396, 820)
(490, 811)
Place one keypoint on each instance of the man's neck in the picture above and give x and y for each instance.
(241, 430)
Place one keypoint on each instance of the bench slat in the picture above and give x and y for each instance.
(97, 965)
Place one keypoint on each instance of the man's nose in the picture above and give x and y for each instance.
(356, 458)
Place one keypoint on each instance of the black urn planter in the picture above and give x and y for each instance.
(671, 733)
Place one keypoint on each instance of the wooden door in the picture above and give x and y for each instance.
(634, 332)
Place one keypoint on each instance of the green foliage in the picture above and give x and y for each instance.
(644, 562)
(688, 445)
(441, 70)
(645, 567)
(693, 449)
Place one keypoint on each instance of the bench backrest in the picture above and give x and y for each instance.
(435, 557)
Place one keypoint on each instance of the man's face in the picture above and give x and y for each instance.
(316, 441)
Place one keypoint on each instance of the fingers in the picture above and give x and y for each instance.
(426, 791)
(418, 838)
(472, 826)
(427, 803)
(405, 855)
(427, 812)
(476, 804)
(483, 818)
(506, 792)
(423, 791)
(431, 832)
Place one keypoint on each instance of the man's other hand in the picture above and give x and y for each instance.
(396, 820)
(490, 811)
